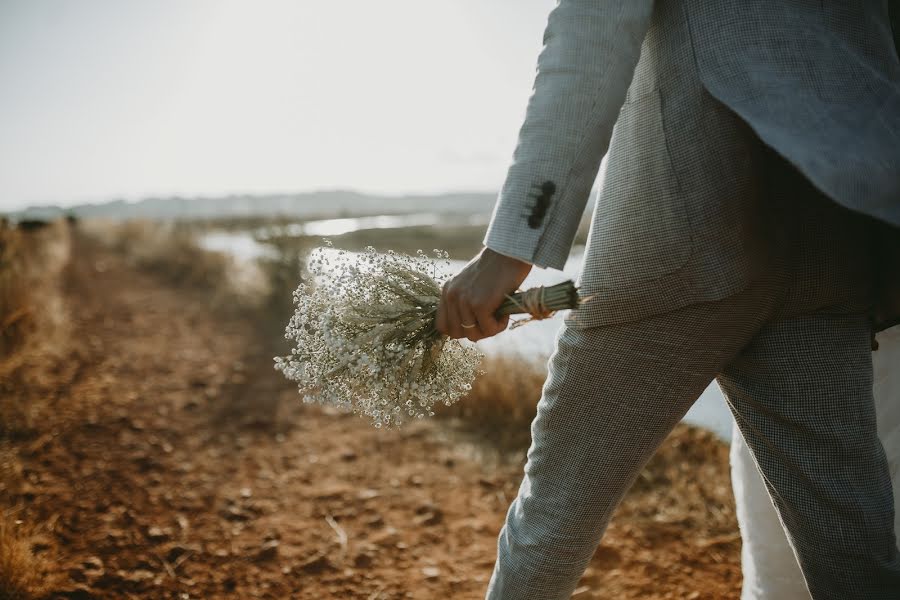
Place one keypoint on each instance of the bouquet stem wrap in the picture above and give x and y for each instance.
(541, 302)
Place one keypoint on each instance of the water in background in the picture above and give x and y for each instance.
(534, 340)
(241, 245)
(327, 227)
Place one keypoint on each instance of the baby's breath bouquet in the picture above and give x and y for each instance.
(364, 335)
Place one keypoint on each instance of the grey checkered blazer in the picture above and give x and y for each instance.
(817, 80)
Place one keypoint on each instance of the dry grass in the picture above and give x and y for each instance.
(21, 572)
(503, 401)
(30, 265)
(163, 248)
(169, 251)
(33, 319)
(33, 323)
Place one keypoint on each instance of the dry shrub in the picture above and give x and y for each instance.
(169, 250)
(503, 400)
(246, 289)
(164, 249)
(33, 321)
(31, 261)
(21, 572)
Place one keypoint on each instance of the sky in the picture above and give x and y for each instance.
(106, 99)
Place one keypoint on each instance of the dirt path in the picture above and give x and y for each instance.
(179, 465)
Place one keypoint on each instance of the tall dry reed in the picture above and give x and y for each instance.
(21, 572)
(502, 402)
(31, 261)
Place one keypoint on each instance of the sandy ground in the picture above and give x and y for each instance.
(177, 464)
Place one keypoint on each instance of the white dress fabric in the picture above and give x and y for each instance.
(770, 570)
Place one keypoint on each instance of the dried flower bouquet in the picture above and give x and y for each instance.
(364, 336)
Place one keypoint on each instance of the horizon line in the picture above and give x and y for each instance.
(212, 196)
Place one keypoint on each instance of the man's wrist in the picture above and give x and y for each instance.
(496, 255)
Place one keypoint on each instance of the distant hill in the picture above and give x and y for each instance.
(322, 204)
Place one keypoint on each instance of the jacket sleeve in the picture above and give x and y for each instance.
(590, 50)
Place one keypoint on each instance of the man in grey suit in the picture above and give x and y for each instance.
(746, 230)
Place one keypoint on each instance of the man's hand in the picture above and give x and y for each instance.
(472, 297)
